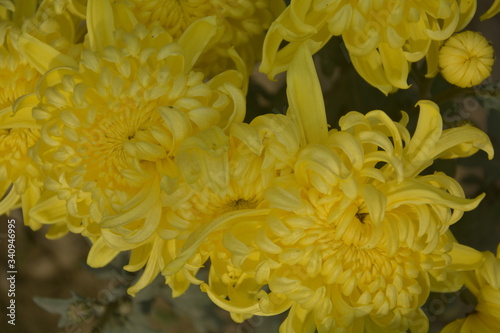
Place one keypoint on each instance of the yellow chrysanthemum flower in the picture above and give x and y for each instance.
(55, 24)
(219, 176)
(111, 125)
(352, 245)
(353, 236)
(382, 37)
(466, 59)
(17, 171)
(240, 25)
(484, 283)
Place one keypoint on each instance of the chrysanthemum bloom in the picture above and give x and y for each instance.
(220, 177)
(484, 283)
(466, 59)
(354, 235)
(110, 125)
(55, 25)
(240, 24)
(383, 38)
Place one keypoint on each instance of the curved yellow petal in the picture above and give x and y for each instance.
(197, 238)
(49, 209)
(77, 8)
(492, 11)
(462, 141)
(196, 38)
(464, 257)
(57, 231)
(396, 67)
(448, 27)
(100, 254)
(138, 207)
(429, 128)
(252, 309)
(376, 203)
(152, 268)
(371, 69)
(432, 59)
(415, 192)
(274, 62)
(306, 99)
(9, 201)
(42, 56)
(467, 11)
(21, 117)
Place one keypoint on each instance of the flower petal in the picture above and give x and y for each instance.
(306, 99)
(100, 254)
(418, 153)
(195, 39)
(42, 56)
(197, 238)
(100, 24)
(492, 11)
(464, 257)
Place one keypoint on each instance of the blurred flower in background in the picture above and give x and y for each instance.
(382, 38)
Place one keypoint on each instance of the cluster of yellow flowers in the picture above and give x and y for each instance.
(123, 121)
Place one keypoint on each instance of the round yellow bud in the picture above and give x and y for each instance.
(466, 59)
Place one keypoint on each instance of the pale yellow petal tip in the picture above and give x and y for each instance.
(100, 254)
(466, 59)
(488, 148)
(131, 291)
(425, 103)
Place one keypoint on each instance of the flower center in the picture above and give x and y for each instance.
(241, 204)
(361, 217)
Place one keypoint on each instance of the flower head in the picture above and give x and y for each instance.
(240, 25)
(466, 59)
(382, 37)
(484, 283)
(220, 177)
(349, 243)
(55, 24)
(352, 237)
(111, 125)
